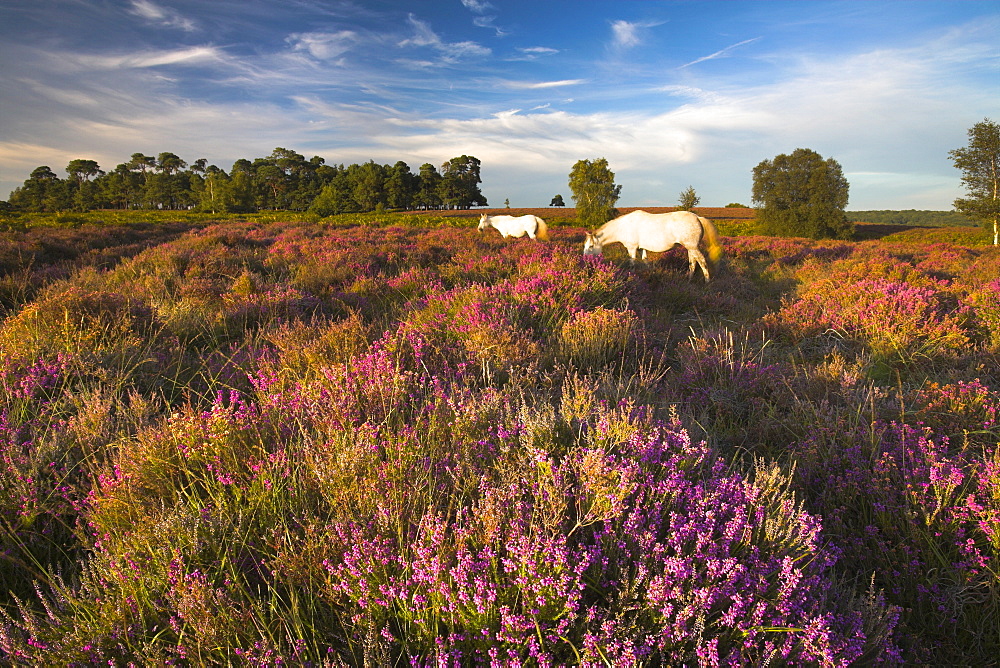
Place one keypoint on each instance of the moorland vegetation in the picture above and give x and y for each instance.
(390, 439)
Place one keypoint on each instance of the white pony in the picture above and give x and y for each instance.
(640, 231)
(516, 226)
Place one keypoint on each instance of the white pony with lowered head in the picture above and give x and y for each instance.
(641, 232)
(516, 226)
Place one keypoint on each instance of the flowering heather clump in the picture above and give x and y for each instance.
(985, 303)
(78, 322)
(634, 546)
(918, 511)
(36, 500)
(729, 382)
(894, 320)
(597, 338)
(960, 407)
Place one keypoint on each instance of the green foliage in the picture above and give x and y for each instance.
(557, 200)
(595, 192)
(980, 165)
(909, 217)
(282, 181)
(688, 199)
(802, 195)
(460, 183)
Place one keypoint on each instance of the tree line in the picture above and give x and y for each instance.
(284, 180)
(913, 217)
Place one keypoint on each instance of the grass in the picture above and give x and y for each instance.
(391, 439)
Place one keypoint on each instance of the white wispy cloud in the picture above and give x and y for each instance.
(451, 52)
(478, 6)
(194, 55)
(488, 22)
(722, 53)
(154, 13)
(324, 45)
(538, 50)
(536, 85)
(626, 34)
(485, 19)
(532, 53)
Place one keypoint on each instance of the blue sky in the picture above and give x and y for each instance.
(673, 94)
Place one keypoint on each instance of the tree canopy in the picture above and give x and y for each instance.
(688, 199)
(284, 180)
(980, 165)
(595, 192)
(802, 195)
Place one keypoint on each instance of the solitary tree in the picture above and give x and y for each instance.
(802, 195)
(557, 201)
(689, 199)
(980, 165)
(594, 190)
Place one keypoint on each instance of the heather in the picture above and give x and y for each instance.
(393, 440)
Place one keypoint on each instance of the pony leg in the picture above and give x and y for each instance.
(695, 256)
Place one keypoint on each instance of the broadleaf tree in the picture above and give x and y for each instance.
(802, 195)
(595, 192)
(980, 165)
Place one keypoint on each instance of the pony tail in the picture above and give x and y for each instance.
(541, 229)
(714, 247)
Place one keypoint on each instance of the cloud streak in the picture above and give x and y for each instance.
(324, 45)
(451, 52)
(628, 34)
(722, 53)
(538, 85)
(195, 55)
(156, 14)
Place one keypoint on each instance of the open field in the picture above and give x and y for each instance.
(391, 440)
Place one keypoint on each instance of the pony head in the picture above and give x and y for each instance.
(484, 222)
(593, 245)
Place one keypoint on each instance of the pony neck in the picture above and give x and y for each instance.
(607, 228)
